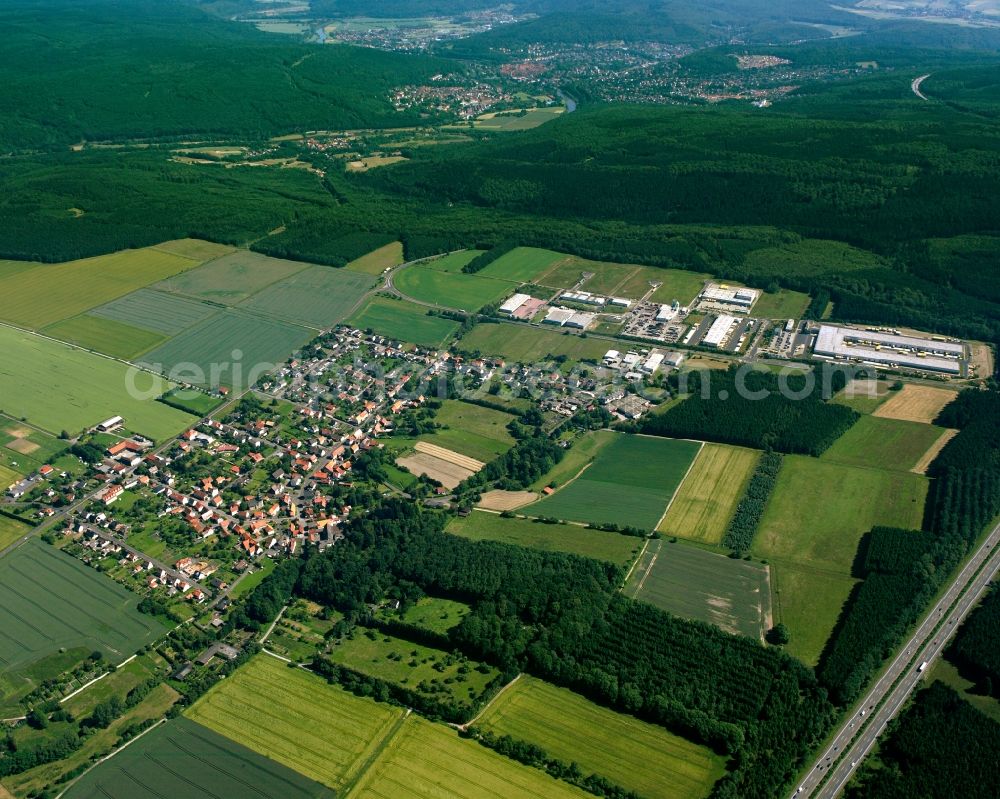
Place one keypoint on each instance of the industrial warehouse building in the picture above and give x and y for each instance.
(737, 299)
(889, 349)
(718, 333)
(514, 303)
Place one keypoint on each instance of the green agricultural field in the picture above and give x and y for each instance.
(156, 311)
(598, 544)
(633, 754)
(522, 264)
(262, 344)
(696, 584)
(104, 335)
(471, 430)
(377, 261)
(864, 396)
(193, 401)
(630, 482)
(10, 529)
(23, 448)
(707, 499)
(50, 601)
(529, 344)
(450, 289)
(319, 296)
(452, 262)
(297, 719)
(43, 295)
(434, 614)
(810, 532)
(58, 387)
(430, 761)
(783, 304)
(232, 278)
(195, 248)
(625, 280)
(585, 448)
(412, 665)
(403, 321)
(884, 443)
(531, 118)
(181, 759)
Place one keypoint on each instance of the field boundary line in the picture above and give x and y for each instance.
(270, 629)
(108, 756)
(376, 754)
(96, 679)
(680, 485)
(486, 707)
(635, 562)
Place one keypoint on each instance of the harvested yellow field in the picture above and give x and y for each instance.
(48, 293)
(447, 474)
(449, 456)
(506, 500)
(377, 261)
(915, 403)
(707, 499)
(928, 457)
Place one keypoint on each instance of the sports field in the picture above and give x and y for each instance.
(629, 483)
(530, 344)
(296, 719)
(100, 334)
(705, 586)
(633, 754)
(183, 759)
(319, 296)
(429, 761)
(232, 277)
(884, 443)
(472, 430)
(58, 387)
(377, 261)
(450, 289)
(156, 311)
(811, 528)
(597, 544)
(452, 262)
(43, 295)
(522, 264)
(261, 343)
(403, 321)
(707, 499)
(50, 601)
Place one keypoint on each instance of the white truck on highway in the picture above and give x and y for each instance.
(922, 666)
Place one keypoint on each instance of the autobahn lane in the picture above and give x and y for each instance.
(833, 768)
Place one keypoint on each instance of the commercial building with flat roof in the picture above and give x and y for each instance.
(719, 331)
(513, 303)
(889, 349)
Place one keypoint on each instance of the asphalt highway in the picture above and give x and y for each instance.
(835, 766)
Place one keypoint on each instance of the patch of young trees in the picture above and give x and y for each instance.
(746, 520)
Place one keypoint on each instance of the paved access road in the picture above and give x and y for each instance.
(833, 768)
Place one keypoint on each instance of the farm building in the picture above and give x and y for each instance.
(738, 299)
(513, 303)
(891, 349)
(111, 424)
(719, 331)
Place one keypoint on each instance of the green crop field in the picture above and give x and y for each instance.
(50, 601)
(633, 754)
(156, 311)
(232, 277)
(43, 295)
(811, 527)
(452, 262)
(450, 289)
(403, 321)
(883, 443)
(400, 661)
(58, 387)
(532, 118)
(377, 261)
(10, 529)
(104, 335)
(522, 264)
(585, 448)
(197, 249)
(530, 344)
(597, 544)
(429, 761)
(630, 482)
(184, 759)
(696, 584)
(262, 344)
(296, 719)
(319, 296)
(471, 430)
(864, 396)
(707, 499)
(193, 401)
(784, 304)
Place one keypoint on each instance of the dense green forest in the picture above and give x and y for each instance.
(939, 747)
(120, 69)
(976, 650)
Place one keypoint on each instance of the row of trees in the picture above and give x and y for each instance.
(750, 510)
(977, 648)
